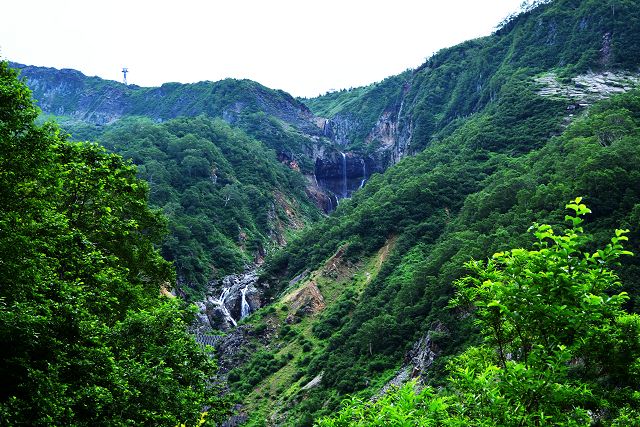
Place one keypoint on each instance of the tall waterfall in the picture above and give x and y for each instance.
(326, 129)
(364, 173)
(344, 175)
(245, 308)
(220, 302)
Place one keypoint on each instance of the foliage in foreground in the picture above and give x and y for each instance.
(86, 336)
(558, 347)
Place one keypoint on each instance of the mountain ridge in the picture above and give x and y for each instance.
(88, 106)
(79, 92)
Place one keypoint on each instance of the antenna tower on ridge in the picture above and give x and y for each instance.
(125, 70)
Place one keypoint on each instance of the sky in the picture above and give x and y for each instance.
(305, 47)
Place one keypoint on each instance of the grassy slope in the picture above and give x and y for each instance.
(341, 283)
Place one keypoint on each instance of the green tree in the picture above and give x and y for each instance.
(556, 296)
(563, 342)
(87, 337)
(559, 348)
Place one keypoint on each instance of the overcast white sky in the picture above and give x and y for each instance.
(305, 47)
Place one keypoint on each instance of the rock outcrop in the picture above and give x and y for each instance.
(305, 301)
(222, 306)
(424, 352)
(585, 89)
(417, 361)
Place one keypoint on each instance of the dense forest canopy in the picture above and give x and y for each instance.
(228, 199)
(87, 336)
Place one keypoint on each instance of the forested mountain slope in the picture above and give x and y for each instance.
(498, 147)
(429, 215)
(226, 161)
(405, 113)
(228, 199)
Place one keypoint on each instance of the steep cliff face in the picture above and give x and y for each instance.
(383, 142)
(391, 135)
(342, 126)
(343, 173)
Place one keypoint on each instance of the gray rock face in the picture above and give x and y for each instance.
(588, 88)
(222, 306)
(423, 353)
(341, 127)
(236, 347)
(417, 361)
(392, 134)
(230, 349)
(341, 174)
(315, 382)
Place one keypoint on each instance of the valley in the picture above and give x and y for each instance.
(448, 246)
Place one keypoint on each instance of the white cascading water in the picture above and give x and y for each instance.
(245, 308)
(326, 128)
(220, 302)
(344, 175)
(364, 173)
(331, 207)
